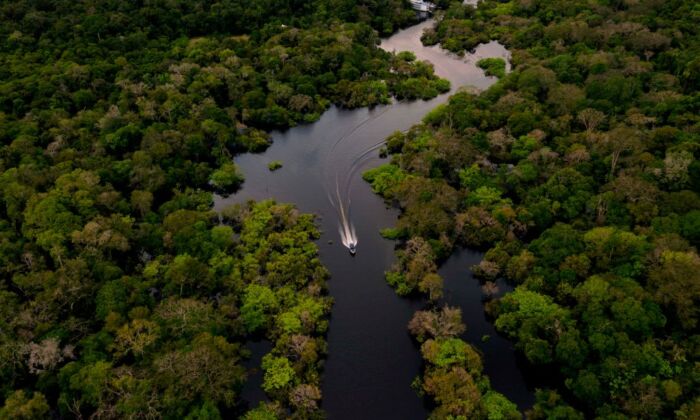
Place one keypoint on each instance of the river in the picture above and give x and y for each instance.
(372, 360)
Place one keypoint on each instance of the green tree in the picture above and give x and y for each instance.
(258, 302)
(279, 373)
(19, 406)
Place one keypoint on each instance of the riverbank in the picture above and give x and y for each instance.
(372, 360)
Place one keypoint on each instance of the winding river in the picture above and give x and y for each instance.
(372, 360)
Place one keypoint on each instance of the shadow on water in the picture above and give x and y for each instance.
(501, 365)
(252, 389)
(372, 360)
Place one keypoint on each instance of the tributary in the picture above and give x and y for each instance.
(372, 360)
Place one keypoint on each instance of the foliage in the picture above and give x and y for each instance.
(121, 294)
(226, 178)
(157, 339)
(576, 171)
(453, 370)
(19, 406)
(274, 165)
(384, 178)
(493, 66)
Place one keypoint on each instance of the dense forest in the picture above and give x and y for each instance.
(122, 294)
(578, 174)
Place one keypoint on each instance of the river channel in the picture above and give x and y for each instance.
(372, 360)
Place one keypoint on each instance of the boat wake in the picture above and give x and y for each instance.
(340, 199)
(345, 227)
(348, 236)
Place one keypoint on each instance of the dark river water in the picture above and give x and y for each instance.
(372, 360)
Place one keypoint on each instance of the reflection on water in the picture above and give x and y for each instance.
(372, 359)
(460, 71)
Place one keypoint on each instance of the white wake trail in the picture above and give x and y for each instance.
(346, 228)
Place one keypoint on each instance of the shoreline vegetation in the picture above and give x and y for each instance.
(578, 174)
(123, 295)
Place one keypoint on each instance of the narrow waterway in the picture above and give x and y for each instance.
(372, 360)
